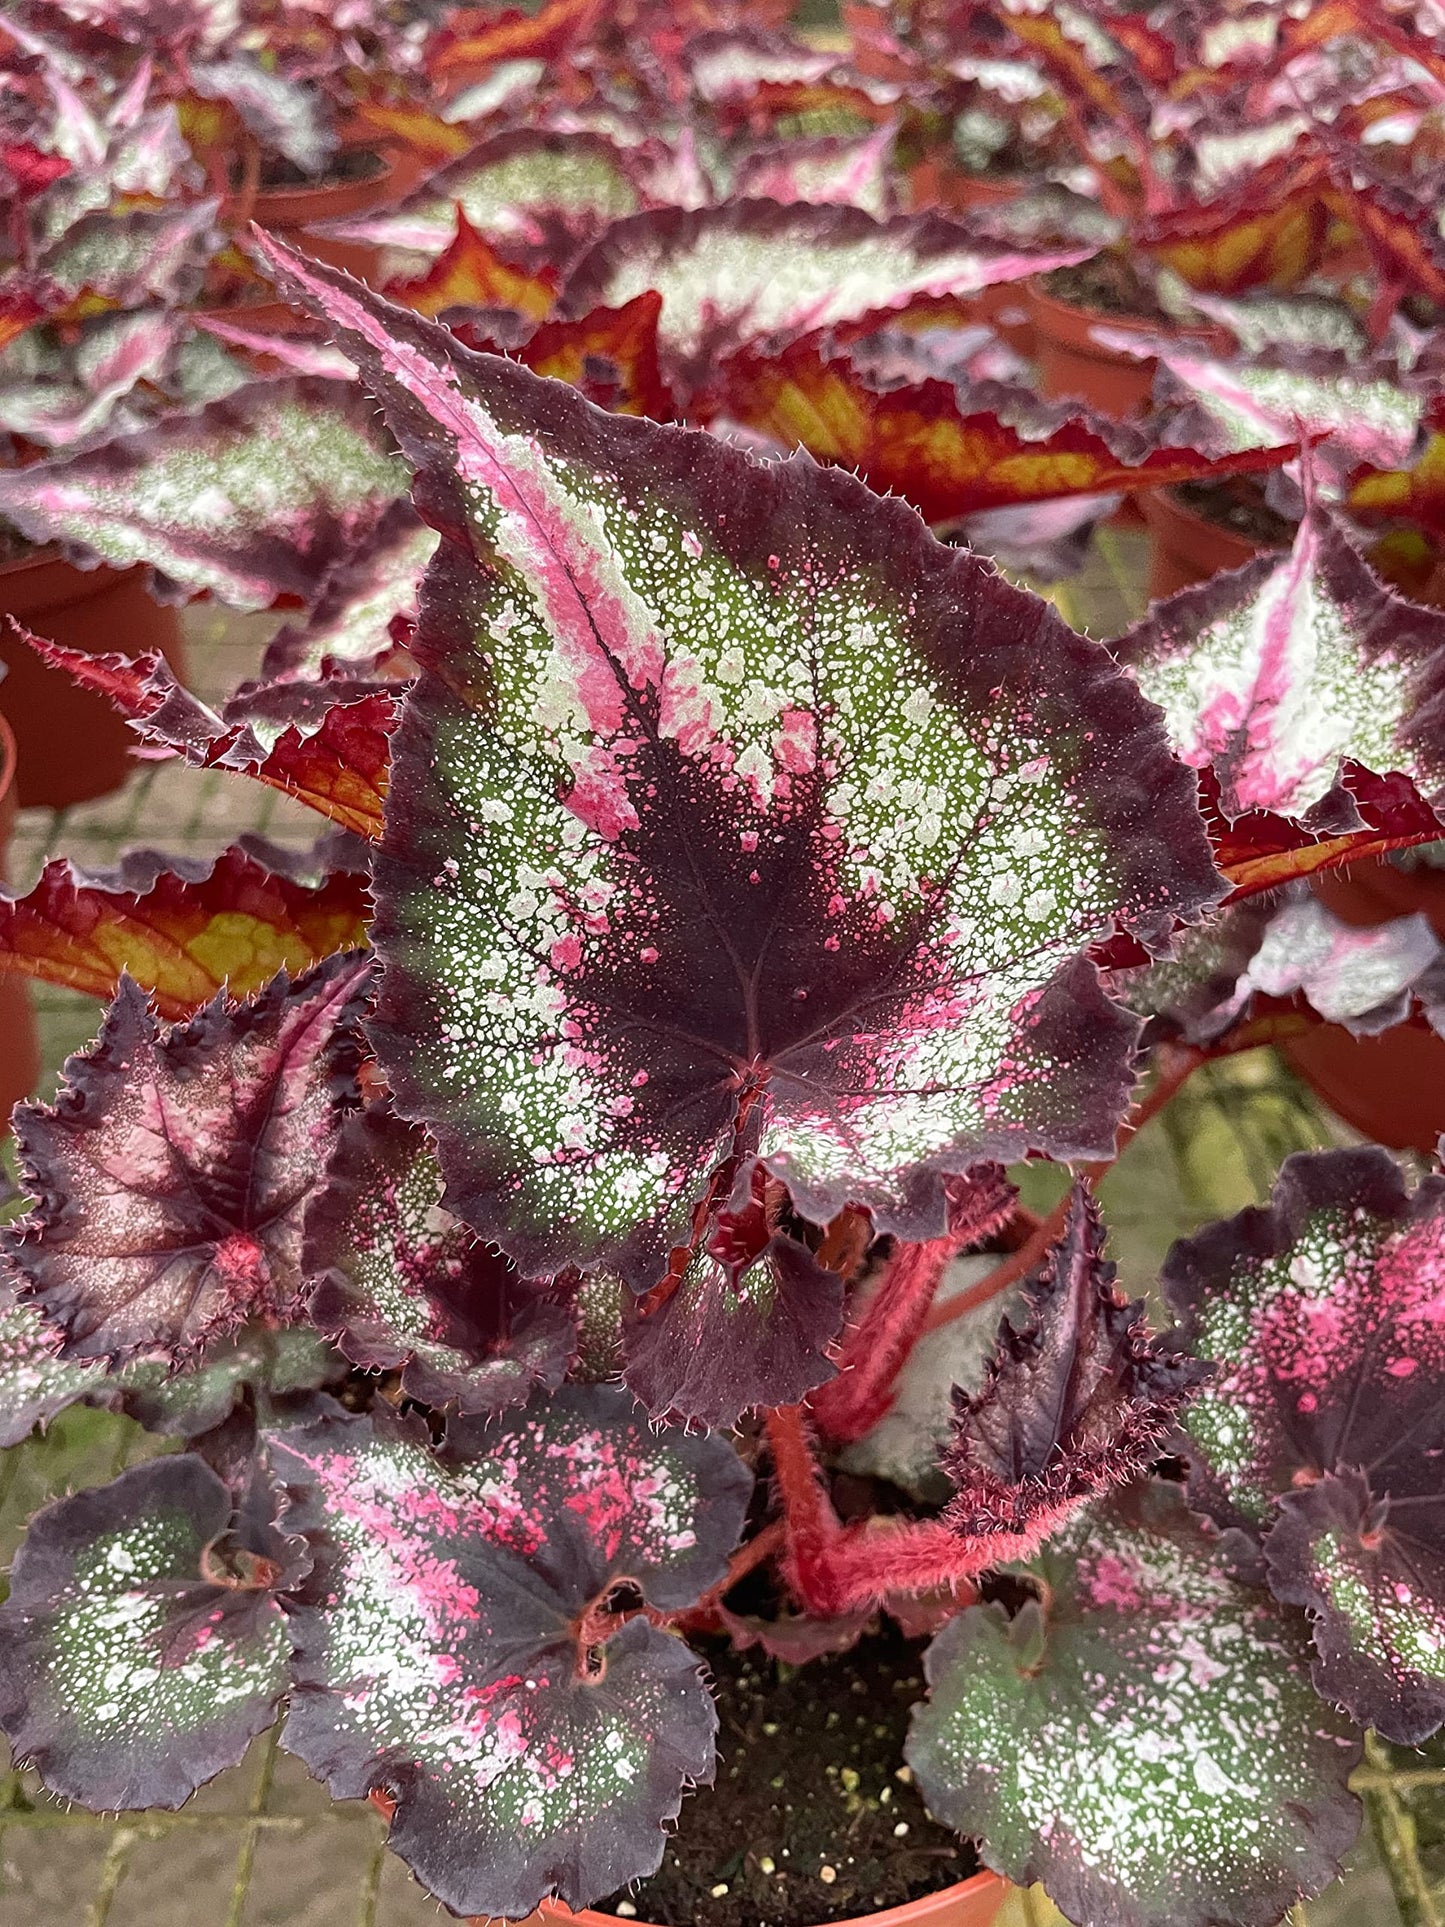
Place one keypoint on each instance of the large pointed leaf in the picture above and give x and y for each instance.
(1324, 1316)
(251, 498)
(678, 873)
(137, 1657)
(1078, 1397)
(956, 450)
(174, 1170)
(327, 744)
(181, 927)
(1281, 673)
(755, 270)
(1147, 1743)
(442, 1658)
(400, 1282)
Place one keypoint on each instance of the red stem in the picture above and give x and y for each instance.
(875, 1349)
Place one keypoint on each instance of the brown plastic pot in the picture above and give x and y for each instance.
(972, 1903)
(1071, 362)
(19, 1046)
(1187, 548)
(1391, 1088)
(72, 744)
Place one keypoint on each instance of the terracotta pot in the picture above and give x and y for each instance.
(1391, 1088)
(934, 183)
(1187, 548)
(19, 1046)
(972, 1903)
(1072, 362)
(293, 212)
(72, 744)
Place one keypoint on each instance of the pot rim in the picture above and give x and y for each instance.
(922, 1910)
(37, 559)
(1210, 333)
(1163, 511)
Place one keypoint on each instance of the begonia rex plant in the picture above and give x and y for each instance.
(519, 1212)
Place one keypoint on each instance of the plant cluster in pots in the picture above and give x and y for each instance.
(743, 878)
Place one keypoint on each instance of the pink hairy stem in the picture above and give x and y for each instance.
(877, 1346)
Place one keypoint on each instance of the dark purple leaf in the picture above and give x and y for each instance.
(676, 874)
(141, 1647)
(1146, 1742)
(737, 1334)
(400, 1282)
(268, 1362)
(1284, 672)
(444, 1653)
(1078, 1397)
(366, 606)
(174, 1170)
(1325, 1316)
(36, 1380)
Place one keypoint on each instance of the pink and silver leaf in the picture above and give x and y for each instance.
(254, 497)
(400, 1283)
(755, 271)
(1284, 673)
(366, 608)
(142, 1647)
(173, 1172)
(1322, 1313)
(1078, 1398)
(1146, 1741)
(735, 818)
(445, 1659)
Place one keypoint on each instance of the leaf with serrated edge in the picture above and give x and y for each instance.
(1280, 672)
(128, 1677)
(1078, 1397)
(1322, 1313)
(955, 450)
(253, 497)
(325, 743)
(174, 1169)
(757, 269)
(181, 927)
(437, 1641)
(367, 602)
(270, 1361)
(700, 713)
(402, 1283)
(1147, 1744)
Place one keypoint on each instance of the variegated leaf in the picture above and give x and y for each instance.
(401, 1283)
(1146, 1742)
(254, 497)
(173, 1172)
(755, 271)
(678, 875)
(444, 1656)
(1324, 1425)
(182, 928)
(1287, 672)
(141, 1650)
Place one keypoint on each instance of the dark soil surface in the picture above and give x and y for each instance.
(1238, 503)
(809, 1820)
(13, 545)
(1110, 283)
(350, 164)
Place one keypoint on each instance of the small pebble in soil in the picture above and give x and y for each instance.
(767, 1864)
(905, 1774)
(900, 1830)
(827, 1875)
(627, 1910)
(719, 1890)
